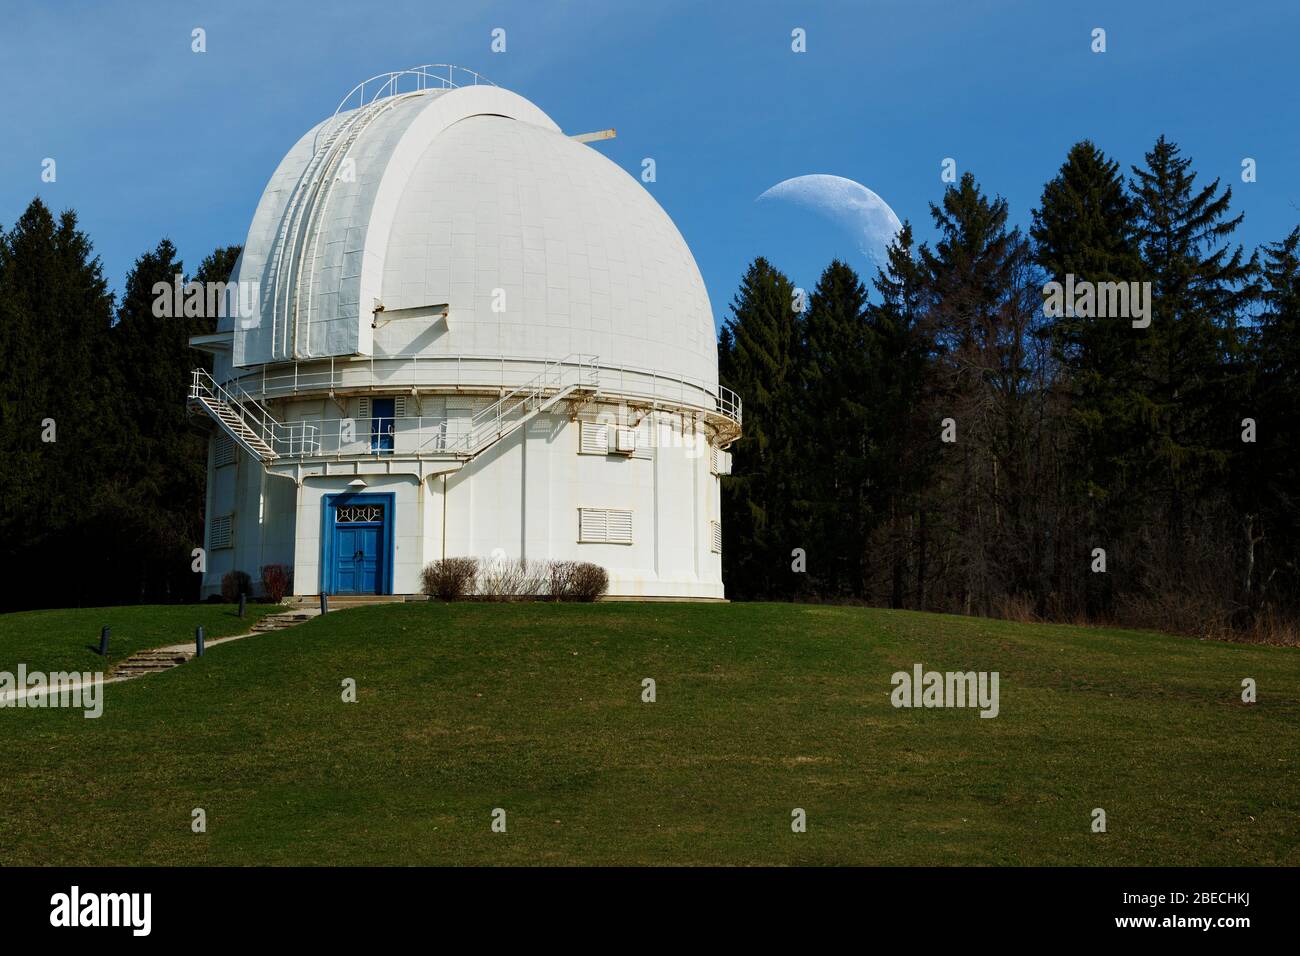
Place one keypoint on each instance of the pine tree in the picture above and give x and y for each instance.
(1084, 228)
(168, 449)
(904, 451)
(1267, 479)
(981, 302)
(1186, 357)
(56, 433)
(836, 363)
(757, 360)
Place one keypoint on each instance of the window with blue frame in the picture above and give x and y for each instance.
(382, 424)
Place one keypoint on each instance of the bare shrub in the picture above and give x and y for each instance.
(1271, 627)
(276, 582)
(450, 579)
(561, 580)
(577, 581)
(589, 581)
(235, 583)
(1015, 607)
(509, 579)
(1182, 611)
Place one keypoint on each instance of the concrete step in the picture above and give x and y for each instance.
(142, 663)
(150, 662)
(351, 600)
(278, 622)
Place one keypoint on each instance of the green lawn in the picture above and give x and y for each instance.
(536, 708)
(68, 640)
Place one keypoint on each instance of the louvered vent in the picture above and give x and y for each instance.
(604, 526)
(224, 453)
(593, 438)
(221, 533)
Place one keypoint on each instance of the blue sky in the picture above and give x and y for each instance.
(153, 140)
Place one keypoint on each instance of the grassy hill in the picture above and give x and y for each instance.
(68, 639)
(761, 708)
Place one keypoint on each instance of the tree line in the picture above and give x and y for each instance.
(941, 442)
(968, 438)
(102, 470)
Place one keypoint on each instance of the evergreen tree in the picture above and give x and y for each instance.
(980, 298)
(55, 310)
(1187, 356)
(1268, 474)
(757, 357)
(904, 452)
(166, 453)
(1084, 228)
(837, 362)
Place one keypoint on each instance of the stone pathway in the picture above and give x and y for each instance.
(160, 659)
(173, 655)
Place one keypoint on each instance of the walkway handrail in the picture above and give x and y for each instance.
(424, 79)
(300, 437)
(488, 424)
(472, 372)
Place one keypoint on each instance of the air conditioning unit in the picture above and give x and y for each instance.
(622, 441)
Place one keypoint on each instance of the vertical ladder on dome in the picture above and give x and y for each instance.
(316, 209)
(308, 182)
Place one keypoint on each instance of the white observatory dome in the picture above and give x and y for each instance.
(462, 333)
(471, 198)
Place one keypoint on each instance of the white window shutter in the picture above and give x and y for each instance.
(715, 537)
(224, 451)
(592, 525)
(221, 532)
(604, 526)
(365, 408)
(619, 524)
(593, 438)
(399, 406)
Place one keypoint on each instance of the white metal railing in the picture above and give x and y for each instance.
(729, 405)
(428, 76)
(442, 435)
(466, 372)
(556, 379)
(294, 439)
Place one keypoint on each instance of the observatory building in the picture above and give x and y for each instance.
(465, 333)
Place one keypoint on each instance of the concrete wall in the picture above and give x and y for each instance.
(519, 498)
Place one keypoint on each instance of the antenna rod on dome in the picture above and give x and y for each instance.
(594, 137)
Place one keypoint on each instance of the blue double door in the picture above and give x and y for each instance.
(358, 558)
(357, 543)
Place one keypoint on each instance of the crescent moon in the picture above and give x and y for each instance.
(847, 203)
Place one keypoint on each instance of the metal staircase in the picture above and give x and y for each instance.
(248, 422)
(558, 380)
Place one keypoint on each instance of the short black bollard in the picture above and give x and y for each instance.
(198, 641)
(103, 641)
(324, 603)
(243, 598)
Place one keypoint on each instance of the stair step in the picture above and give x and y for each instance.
(150, 665)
